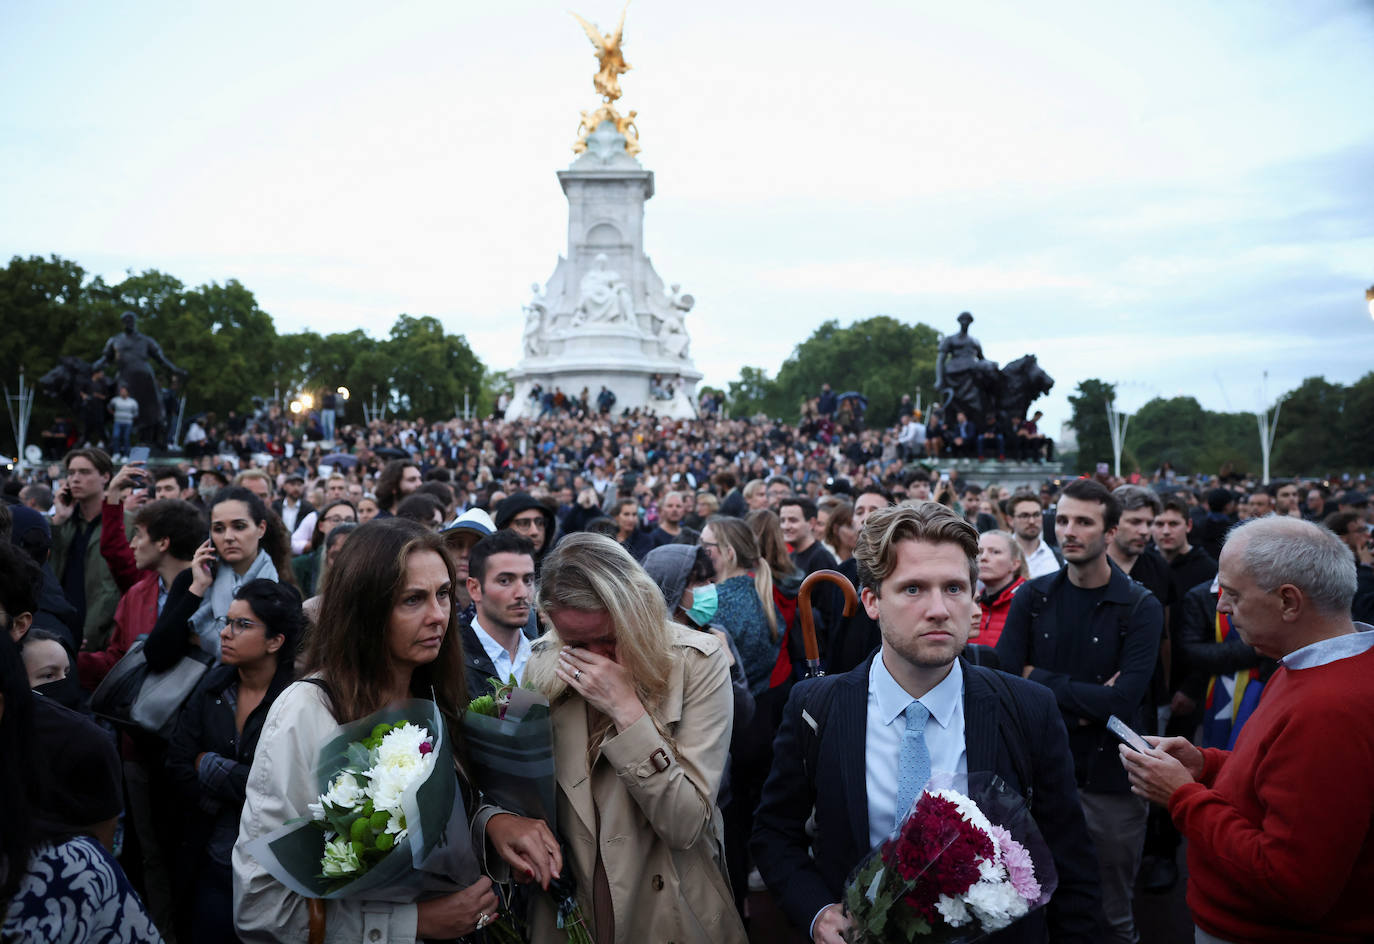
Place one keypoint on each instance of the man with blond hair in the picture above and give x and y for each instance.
(855, 749)
(1278, 829)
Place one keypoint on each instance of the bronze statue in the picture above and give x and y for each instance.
(965, 380)
(129, 353)
(613, 64)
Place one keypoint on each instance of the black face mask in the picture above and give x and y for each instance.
(65, 691)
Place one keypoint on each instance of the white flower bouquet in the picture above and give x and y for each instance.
(389, 822)
(963, 863)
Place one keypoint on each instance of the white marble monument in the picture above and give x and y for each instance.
(605, 318)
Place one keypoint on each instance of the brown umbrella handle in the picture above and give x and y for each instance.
(316, 909)
(808, 622)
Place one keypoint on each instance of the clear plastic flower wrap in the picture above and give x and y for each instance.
(389, 822)
(967, 860)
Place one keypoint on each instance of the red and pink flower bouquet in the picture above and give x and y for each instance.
(963, 864)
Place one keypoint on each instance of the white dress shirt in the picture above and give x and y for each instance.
(887, 704)
(500, 658)
(1042, 561)
(1326, 651)
(290, 511)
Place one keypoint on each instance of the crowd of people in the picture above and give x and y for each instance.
(646, 575)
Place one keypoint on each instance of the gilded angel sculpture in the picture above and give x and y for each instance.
(613, 64)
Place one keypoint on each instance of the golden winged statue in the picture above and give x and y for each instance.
(613, 64)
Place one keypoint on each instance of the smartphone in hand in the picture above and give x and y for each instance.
(1127, 735)
(139, 454)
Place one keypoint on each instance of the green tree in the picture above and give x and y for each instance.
(1311, 424)
(880, 357)
(431, 369)
(1358, 426)
(751, 393)
(1089, 421)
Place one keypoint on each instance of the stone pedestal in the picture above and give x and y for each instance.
(604, 318)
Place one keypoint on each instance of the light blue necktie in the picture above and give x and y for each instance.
(915, 760)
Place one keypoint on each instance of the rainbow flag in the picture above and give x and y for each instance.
(1231, 699)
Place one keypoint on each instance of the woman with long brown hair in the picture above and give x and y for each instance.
(387, 631)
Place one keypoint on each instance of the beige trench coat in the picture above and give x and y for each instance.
(661, 833)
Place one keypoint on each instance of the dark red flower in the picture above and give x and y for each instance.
(937, 851)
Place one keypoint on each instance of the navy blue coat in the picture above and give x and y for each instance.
(803, 884)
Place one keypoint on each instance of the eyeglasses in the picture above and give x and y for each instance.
(709, 544)
(241, 624)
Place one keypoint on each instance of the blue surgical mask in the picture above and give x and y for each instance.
(704, 603)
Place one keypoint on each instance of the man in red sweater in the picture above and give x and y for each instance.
(1281, 829)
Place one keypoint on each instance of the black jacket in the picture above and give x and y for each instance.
(1075, 663)
(207, 723)
(857, 636)
(477, 666)
(1202, 654)
(805, 875)
(305, 509)
(1191, 569)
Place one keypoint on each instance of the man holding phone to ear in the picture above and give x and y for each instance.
(85, 577)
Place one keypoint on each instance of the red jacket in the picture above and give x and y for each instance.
(995, 613)
(1281, 830)
(137, 610)
(134, 617)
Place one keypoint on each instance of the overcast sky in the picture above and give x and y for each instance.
(1176, 196)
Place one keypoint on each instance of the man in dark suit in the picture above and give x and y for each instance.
(292, 506)
(501, 583)
(845, 749)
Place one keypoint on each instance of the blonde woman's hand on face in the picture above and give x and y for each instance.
(604, 683)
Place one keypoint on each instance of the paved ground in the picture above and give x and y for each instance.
(1161, 919)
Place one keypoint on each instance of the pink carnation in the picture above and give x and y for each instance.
(1020, 869)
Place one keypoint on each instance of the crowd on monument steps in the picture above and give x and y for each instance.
(645, 575)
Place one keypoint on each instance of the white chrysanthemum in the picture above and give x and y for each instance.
(385, 786)
(316, 811)
(400, 746)
(345, 792)
(396, 825)
(953, 911)
(995, 904)
(339, 858)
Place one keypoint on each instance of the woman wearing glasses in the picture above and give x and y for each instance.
(212, 749)
(308, 568)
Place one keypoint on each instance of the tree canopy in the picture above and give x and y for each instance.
(880, 357)
(1323, 428)
(229, 345)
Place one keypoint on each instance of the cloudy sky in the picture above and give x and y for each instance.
(1176, 196)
